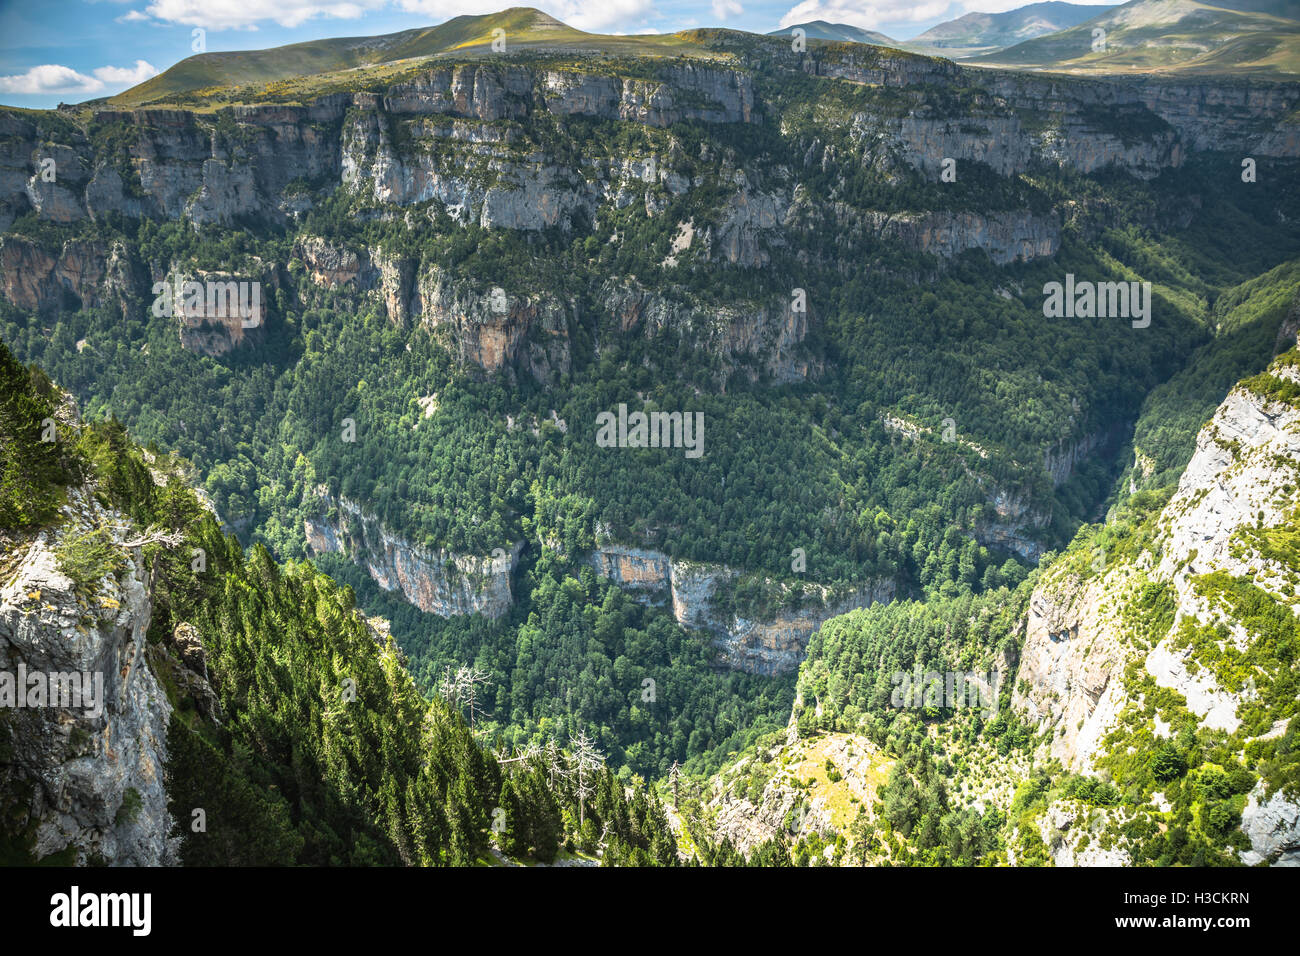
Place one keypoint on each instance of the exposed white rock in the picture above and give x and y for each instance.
(1273, 826)
(90, 780)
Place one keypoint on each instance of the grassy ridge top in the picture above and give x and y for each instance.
(523, 27)
(1144, 36)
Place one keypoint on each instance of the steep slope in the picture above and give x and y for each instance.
(168, 699)
(523, 26)
(1172, 669)
(462, 271)
(1136, 698)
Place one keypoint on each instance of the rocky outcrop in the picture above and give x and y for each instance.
(1273, 827)
(224, 312)
(437, 581)
(331, 265)
(772, 643)
(452, 133)
(492, 329)
(80, 275)
(1093, 122)
(1012, 236)
(1062, 459)
(1072, 665)
(758, 339)
(88, 781)
(1074, 644)
(1015, 526)
(1081, 639)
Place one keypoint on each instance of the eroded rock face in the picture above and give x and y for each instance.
(1063, 459)
(216, 326)
(492, 329)
(1015, 526)
(1074, 653)
(1273, 826)
(1071, 682)
(770, 645)
(331, 265)
(37, 279)
(439, 582)
(1072, 664)
(90, 781)
(1013, 236)
(758, 340)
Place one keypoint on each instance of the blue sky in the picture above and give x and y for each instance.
(55, 51)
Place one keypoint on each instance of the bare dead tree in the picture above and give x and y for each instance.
(587, 759)
(556, 765)
(460, 689)
(156, 536)
(473, 679)
(528, 753)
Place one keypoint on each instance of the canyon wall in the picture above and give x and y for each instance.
(772, 643)
(437, 581)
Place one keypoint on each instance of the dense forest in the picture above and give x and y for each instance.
(321, 748)
(916, 445)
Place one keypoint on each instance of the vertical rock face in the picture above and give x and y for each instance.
(439, 582)
(1063, 459)
(216, 324)
(1011, 236)
(757, 340)
(1272, 824)
(1072, 664)
(36, 279)
(330, 265)
(1079, 643)
(759, 644)
(1013, 528)
(493, 330)
(90, 781)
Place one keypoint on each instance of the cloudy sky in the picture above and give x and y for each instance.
(55, 51)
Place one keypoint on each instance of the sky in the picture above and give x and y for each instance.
(54, 51)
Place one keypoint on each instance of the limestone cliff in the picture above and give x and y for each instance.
(440, 582)
(1106, 635)
(700, 595)
(91, 782)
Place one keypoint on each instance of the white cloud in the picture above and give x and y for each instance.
(132, 16)
(126, 75)
(52, 78)
(236, 14)
(727, 8)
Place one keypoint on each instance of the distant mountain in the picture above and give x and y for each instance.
(293, 64)
(1290, 9)
(977, 33)
(843, 32)
(1153, 36)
